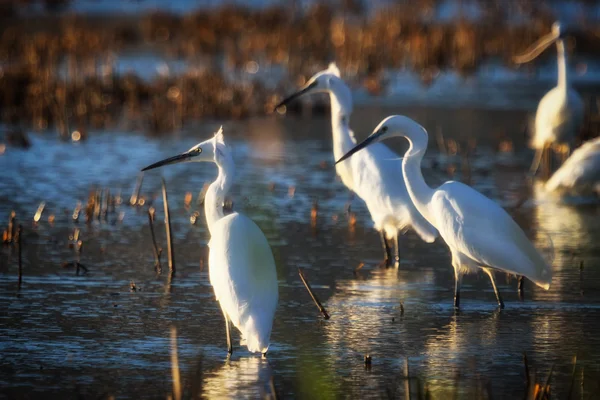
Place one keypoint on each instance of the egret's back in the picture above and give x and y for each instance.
(558, 118)
(581, 171)
(480, 229)
(377, 179)
(243, 275)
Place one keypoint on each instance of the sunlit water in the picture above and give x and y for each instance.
(64, 334)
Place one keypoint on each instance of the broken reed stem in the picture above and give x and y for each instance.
(406, 380)
(38, 213)
(136, 192)
(105, 204)
(169, 284)
(314, 297)
(570, 392)
(168, 227)
(19, 243)
(527, 379)
(582, 386)
(175, 365)
(10, 232)
(546, 384)
(78, 250)
(157, 252)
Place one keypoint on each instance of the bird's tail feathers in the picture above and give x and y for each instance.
(544, 275)
(254, 337)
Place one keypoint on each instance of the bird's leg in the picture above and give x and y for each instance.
(397, 251)
(349, 202)
(228, 333)
(498, 297)
(457, 283)
(520, 285)
(547, 162)
(535, 164)
(387, 252)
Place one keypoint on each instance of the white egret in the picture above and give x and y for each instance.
(241, 265)
(580, 173)
(372, 175)
(479, 233)
(559, 115)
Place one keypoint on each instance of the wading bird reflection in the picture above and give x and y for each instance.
(241, 265)
(374, 175)
(479, 233)
(559, 116)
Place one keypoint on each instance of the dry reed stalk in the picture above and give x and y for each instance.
(312, 294)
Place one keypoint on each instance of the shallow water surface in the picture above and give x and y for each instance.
(64, 334)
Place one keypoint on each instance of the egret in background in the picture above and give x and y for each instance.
(580, 173)
(372, 175)
(479, 233)
(241, 265)
(559, 116)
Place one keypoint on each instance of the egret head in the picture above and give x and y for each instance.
(211, 150)
(558, 32)
(394, 126)
(326, 81)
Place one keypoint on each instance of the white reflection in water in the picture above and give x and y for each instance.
(454, 350)
(247, 377)
(571, 230)
(364, 308)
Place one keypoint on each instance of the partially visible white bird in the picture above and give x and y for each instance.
(241, 265)
(559, 115)
(373, 174)
(580, 173)
(479, 233)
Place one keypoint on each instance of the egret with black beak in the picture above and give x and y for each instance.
(479, 233)
(374, 174)
(241, 265)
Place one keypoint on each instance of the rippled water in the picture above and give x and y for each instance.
(64, 334)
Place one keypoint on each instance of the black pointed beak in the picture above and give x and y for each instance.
(293, 96)
(371, 139)
(171, 160)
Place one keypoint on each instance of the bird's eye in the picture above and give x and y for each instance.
(198, 150)
(384, 129)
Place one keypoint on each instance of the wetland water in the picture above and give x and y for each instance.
(64, 335)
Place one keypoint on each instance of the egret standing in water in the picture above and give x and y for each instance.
(374, 174)
(479, 233)
(241, 266)
(559, 116)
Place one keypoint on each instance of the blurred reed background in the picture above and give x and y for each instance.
(76, 65)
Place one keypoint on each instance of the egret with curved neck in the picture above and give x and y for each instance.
(241, 265)
(559, 115)
(478, 232)
(372, 175)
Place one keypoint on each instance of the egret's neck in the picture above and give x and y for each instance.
(420, 193)
(341, 108)
(215, 195)
(562, 65)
